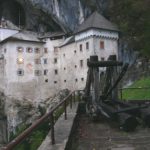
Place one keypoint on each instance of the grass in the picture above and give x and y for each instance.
(140, 93)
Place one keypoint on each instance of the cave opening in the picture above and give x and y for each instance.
(13, 11)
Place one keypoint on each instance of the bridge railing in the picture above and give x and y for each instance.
(135, 94)
(50, 115)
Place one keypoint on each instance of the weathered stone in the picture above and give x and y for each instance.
(42, 15)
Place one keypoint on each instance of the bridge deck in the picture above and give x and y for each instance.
(103, 135)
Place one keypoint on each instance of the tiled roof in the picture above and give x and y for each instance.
(52, 34)
(26, 36)
(96, 20)
(69, 40)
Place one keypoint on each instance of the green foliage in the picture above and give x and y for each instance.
(37, 136)
(138, 94)
(133, 18)
(19, 130)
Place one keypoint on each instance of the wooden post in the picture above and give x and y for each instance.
(74, 97)
(65, 110)
(71, 101)
(121, 94)
(52, 129)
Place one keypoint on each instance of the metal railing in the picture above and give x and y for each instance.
(50, 115)
(138, 92)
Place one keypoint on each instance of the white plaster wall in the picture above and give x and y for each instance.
(52, 66)
(26, 86)
(2, 68)
(35, 87)
(71, 59)
(5, 33)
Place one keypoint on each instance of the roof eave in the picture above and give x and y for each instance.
(16, 39)
(117, 30)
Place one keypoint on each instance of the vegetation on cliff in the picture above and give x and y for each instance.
(133, 18)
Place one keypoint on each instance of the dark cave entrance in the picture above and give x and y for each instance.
(12, 11)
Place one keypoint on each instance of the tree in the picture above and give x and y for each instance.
(133, 18)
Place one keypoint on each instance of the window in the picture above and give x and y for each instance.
(45, 72)
(64, 68)
(75, 51)
(64, 55)
(37, 61)
(45, 50)
(81, 48)
(81, 63)
(75, 66)
(45, 61)
(55, 60)
(29, 50)
(82, 79)
(5, 50)
(55, 49)
(20, 61)
(55, 82)
(76, 80)
(46, 80)
(37, 50)
(20, 49)
(101, 44)
(20, 72)
(102, 58)
(56, 71)
(87, 45)
(37, 72)
(65, 81)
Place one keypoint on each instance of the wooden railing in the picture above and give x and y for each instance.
(50, 115)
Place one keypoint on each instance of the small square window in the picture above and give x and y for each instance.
(55, 82)
(56, 71)
(102, 58)
(55, 60)
(45, 50)
(20, 49)
(81, 48)
(87, 45)
(75, 66)
(76, 80)
(65, 81)
(81, 63)
(37, 50)
(20, 72)
(46, 80)
(45, 72)
(20, 61)
(37, 61)
(5, 50)
(64, 55)
(82, 79)
(55, 49)
(29, 50)
(45, 61)
(75, 51)
(101, 44)
(37, 72)
(64, 68)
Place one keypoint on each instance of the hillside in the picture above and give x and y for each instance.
(141, 90)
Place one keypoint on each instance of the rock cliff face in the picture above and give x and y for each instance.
(15, 113)
(49, 15)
